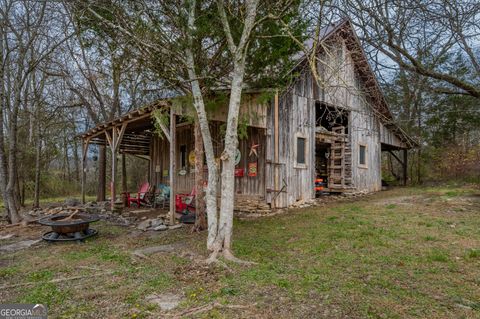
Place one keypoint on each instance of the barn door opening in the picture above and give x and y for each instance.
(322, 167)
(333, 146)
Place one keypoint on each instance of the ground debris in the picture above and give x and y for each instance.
(166, 301)
(8, 236)
(144, 252)
(19, 245)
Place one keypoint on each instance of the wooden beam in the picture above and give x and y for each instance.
(405, 166)
(109, 139)
(120, 132)
(396, 157)
(165, 131)
(172, 165)
(114, 167)
(276, 142)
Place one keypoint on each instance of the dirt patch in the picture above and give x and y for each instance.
(400, 200)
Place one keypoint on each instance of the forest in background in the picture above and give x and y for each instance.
(61, 75)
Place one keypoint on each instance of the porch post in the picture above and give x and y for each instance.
(276, 143)
(114, 167)
(124, 173)
(172, 169)
(405, 166)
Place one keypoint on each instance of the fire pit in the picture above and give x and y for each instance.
(68, 226)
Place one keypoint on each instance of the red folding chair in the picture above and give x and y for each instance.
(140, 198)
(185, 203)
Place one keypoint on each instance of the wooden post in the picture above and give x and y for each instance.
(114, 142)
(405, 166)
(276, 142)
(102, 173)
(173, 158)
(124, 173)
(114, 167)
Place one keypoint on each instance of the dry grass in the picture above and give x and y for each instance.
(405, 253)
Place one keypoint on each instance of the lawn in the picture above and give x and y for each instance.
(403, 253)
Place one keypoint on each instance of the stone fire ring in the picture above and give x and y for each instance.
(76, 228)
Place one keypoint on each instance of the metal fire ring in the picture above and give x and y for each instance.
(79, 236)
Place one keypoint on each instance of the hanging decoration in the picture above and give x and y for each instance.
(239, 172)
(191, 158)
(252, 169)
(253, 149)
(238, 157)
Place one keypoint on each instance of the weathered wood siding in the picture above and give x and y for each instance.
(341, 87)
(388, 137)
(253, 111)
(246, 185)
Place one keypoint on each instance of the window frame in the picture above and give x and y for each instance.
(364, 165)
(305, 151)
(183, 156)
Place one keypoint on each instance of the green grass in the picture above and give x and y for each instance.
(406, 253)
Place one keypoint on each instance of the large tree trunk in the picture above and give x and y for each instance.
(38, 152)
(198, 103)
(224, 238)
(10, 192)
(102, 173)
(201, 220)
(223, 242)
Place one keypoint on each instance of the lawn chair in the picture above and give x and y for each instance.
(162, 196)
(141, 198)
(185, 203)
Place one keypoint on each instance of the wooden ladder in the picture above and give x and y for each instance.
(340, 173)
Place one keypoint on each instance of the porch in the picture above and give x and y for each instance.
(134, 134)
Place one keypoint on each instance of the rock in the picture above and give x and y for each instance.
(72, 202)
(166, 301)
(92, 209)
(156, 222)
(175, 226)
(144, 225)
(19, 245)
(161, 227)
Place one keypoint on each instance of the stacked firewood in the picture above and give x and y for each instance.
(251, 205)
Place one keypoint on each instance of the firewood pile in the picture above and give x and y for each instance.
(251, 205)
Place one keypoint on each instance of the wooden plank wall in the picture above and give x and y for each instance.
(388, 137)
(246, 185)
(340, 87)
(252, 109)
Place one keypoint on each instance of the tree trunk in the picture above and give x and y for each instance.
(76, 159)
(10, 193)
(102, 173)
(201, 220)
(198, 103)
(224, 238)
(38, 152)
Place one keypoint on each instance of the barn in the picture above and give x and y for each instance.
(330, 128)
